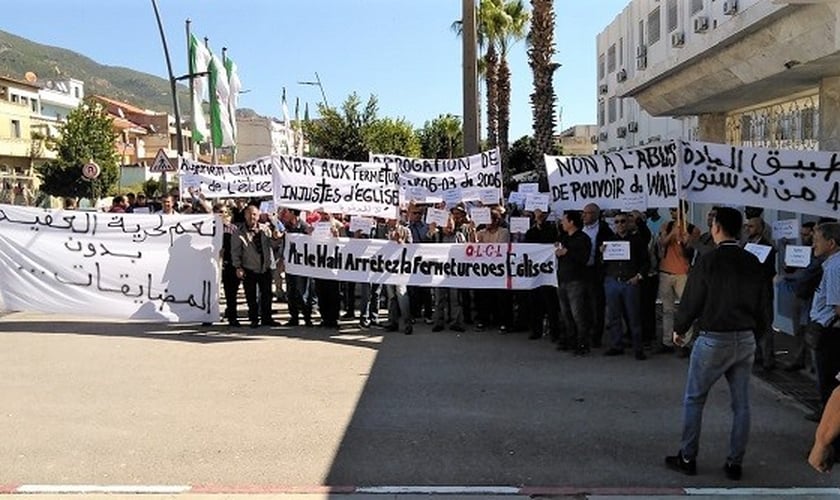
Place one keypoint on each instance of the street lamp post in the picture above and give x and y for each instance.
(317, 83)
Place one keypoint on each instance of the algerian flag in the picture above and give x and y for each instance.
(287, 124)
(235, 88)
(220, 128)
(199, 60)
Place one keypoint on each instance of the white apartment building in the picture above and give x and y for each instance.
(760, 73)
(260, 136)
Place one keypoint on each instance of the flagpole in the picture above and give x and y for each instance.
(191, 67)
(214, 159)
(226, 75)
(179, 138)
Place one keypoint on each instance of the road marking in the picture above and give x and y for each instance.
(444, 490)
(95, 488)
(787, 492)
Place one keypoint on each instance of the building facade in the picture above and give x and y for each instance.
(260, 136)
(578, 140)
(19, 103)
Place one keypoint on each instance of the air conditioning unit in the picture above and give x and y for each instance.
(603, 89)
(603, 136)
(677, 39)
(641, 51)
(641, 62)
(621, 75)
(621, 131)
(730, 7)
(701, 24)
(633, 126)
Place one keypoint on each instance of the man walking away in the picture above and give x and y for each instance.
(726, 293)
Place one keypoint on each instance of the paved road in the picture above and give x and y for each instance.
(86, 402)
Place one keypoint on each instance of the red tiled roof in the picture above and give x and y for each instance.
(124, 105)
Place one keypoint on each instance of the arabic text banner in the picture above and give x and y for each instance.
(796, 181)
(355, 188)
(161, 268)
(476, 265)
(431, 180)
(251, 179)
(615, 180)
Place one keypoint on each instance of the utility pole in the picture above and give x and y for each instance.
(179, 138)
(470, 84)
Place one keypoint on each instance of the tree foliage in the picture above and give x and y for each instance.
(393, 137)
(87, 135)
(442, 137)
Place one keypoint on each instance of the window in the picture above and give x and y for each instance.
(672, 15)
(16, 129)
(601, 113)
(34, 105)
(15, 98)
(611, 59)
(653, 26)
(611, 109)
(641, 32)
(696, 6)
(621, 109)
(76, 92)
(601, 67)
(621, 51)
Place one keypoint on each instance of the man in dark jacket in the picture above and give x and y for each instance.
(726, 295)
(572, 253)
(599, 232)
(544, 298)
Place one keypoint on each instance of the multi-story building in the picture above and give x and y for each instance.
(754, 73)
(19, 101)
(578, 140)
(259, 136)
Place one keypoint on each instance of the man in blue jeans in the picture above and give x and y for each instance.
(726, 294)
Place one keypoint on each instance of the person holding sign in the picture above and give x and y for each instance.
(230, 280)
(543, 302)
(298, 288)
(420, 297)
(726, 295)
(450, 300)
(676, 240)
(622, 274)
(251, 255)
(598, 231)
(756, 229)
(494, 303)
(399, 311)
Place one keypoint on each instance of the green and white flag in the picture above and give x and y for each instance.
(199, 60)
(220, 128)
(235, 87)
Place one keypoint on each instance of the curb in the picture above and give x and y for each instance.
(509, 491)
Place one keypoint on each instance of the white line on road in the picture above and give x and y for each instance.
(94, 488)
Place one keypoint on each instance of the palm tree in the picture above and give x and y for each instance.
(512, 28)
(540, 53)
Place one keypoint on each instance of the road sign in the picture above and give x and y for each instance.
(161, 163)
(91, 170)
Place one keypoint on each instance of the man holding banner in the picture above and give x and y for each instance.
(251, 253)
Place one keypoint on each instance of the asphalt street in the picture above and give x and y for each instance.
(98, 402)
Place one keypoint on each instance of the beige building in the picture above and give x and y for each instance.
(19, 102)
(261, 136)
(578, 140)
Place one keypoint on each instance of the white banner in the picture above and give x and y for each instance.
(471, 265)
(128, 266)
(245, 180)
(426, 179)
(607, 180)
(355, 188)
(805, 182)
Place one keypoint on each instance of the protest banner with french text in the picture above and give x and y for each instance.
(161, 268)
(355, 188)
(425, 180)
(608, 179)
(467, 265)
(241, 180)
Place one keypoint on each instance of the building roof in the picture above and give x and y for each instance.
(20, 83)
(126, 107)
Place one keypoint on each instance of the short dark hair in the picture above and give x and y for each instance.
(295, 212)
(830, 231)
(810, 225)
(730, 221)
(575, 217)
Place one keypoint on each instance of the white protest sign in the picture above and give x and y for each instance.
(760, 251)
(251, 179)
(322, 230)
(359, 223)
(355, 188)
(798, 256)
(437, 216)
(162, 268)
(267, 207)
(798, 181)
(786, 229)
(520, 224)
(480, 215)
(451, 197)
(517, 198)
(436, 175)
(529, 188)
(616, 250)
(488, 196)
(606, 179)
(140, 210)
(536, 201)
(516, 266)
(415, 193)
(634, 201)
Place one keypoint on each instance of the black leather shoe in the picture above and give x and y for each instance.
(640, 355)
(535, 336)
(270, 323)
(612, 351)
(254, 324)
(733, 471)
(234, 323)
(291, 322)
(681, 464)
(409, 329)
(437, 328)
(307, 322)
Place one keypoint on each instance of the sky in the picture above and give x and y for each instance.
(402, 51)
